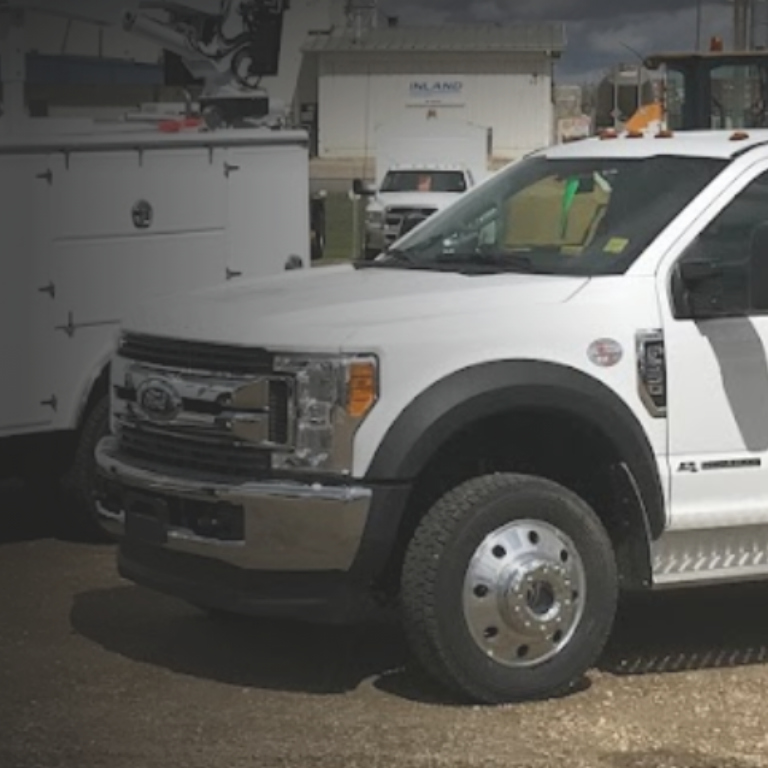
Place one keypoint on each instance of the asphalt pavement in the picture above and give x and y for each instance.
(95, 672)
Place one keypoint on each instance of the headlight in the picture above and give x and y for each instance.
(332, 396)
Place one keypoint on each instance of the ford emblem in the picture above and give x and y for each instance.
(158, 400)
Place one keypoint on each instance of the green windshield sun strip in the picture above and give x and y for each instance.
(571, 189)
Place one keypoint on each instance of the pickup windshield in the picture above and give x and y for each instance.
(424, 181)
(586, 216)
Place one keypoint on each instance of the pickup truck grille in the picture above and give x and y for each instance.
(193, 355)
(216, 412)
(199, 456)
(394, 216)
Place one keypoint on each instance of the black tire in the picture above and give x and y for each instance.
(433, 583)
(78, 509)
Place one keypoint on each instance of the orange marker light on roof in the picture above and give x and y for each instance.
(635, 134)
(739, 136)
(665, 134)
(609, 133)
(716, 44)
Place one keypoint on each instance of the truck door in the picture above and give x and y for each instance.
(26, 390)
(268, 209)
(717, 368)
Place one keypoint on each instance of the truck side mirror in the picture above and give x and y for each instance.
(758, 269)
(359, 188)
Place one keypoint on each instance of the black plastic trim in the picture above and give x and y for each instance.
(483, 391)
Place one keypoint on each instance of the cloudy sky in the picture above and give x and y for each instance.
(598, 34)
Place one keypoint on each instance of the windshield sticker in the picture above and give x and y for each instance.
(616, 245)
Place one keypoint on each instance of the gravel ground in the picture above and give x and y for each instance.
(95, 672)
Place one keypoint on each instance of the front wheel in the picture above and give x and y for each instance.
(509, 589)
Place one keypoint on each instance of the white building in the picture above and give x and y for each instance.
(496, 76)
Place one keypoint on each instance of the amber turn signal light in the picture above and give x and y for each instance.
(361, 389)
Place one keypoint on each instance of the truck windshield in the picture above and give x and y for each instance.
(586, 216)
(424, 181)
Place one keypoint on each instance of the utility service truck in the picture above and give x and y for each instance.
(101, 215)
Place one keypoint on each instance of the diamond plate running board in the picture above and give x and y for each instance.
(714, 555)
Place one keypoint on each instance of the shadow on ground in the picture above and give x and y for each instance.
(672, 759)
(695, 629)
(655, 634)
(250, 653)
(21, 517)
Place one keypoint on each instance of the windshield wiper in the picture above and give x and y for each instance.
(496, 261)
(394, 258)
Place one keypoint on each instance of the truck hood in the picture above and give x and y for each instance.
(322, 307)
(435, 200)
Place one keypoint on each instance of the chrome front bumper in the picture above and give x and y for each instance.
(284, 526)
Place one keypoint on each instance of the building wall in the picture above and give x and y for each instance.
(511, 94)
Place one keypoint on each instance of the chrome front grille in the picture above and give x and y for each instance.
(214, 412)
(394, 216)
(193, 355)
(211, 458)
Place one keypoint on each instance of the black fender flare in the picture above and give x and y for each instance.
(481, 391)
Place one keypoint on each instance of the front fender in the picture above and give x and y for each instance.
(479, 392)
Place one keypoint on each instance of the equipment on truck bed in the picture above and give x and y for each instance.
(714, 89)
(229, 51)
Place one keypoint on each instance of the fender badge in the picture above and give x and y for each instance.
(605, 353)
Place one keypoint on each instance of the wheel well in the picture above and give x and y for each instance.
(99, 389)
(545, 443)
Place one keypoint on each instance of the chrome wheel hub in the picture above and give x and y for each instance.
(524, 593)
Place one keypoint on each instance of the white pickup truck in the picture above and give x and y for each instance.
(553, 391)
(421, 167)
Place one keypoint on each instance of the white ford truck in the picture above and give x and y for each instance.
(421, 167)
(553, 391)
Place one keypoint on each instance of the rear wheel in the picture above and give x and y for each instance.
(79, 505)
(509, 589)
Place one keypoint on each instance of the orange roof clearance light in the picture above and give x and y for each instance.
(716, 44)
(739, 136)
(665, 134)
(634, 134)
(609, 133)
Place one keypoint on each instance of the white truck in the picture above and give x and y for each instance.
(421, 167)
(99, 216)
(553, 391)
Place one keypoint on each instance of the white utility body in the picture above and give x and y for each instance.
(422, 166)
(97, 223)
(101, 216)
(553, 391)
